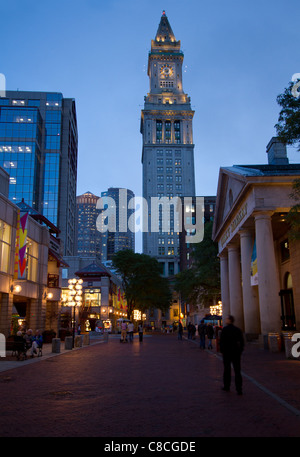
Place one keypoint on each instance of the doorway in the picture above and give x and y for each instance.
(287, 304)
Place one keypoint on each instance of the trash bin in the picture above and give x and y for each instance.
(274, 341)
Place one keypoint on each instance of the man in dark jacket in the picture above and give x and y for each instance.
(231, 346)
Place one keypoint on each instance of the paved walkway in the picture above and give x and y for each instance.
(159, 388)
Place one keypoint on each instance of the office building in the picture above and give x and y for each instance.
(88, 237)
(38, 149)
(114, 222)
(168, 149)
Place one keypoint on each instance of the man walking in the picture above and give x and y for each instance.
(231, 346)
(202, 333)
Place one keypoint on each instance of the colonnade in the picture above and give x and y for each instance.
(256, 309)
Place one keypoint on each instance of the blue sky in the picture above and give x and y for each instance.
(239, 55)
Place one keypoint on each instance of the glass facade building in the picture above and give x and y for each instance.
(89, 238)
(39, 148)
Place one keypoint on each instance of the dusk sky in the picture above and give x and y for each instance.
(238, 56)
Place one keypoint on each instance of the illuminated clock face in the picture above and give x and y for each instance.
(166, 70)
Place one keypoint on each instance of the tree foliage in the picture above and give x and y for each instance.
(201, 282)
(288, 125)
(144, 287)
(288, 131)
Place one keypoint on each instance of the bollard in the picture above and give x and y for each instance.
(86, 339)
(78, 341)
(56, 345)
(274, 342)
(68, 342)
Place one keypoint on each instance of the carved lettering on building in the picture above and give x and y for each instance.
(234, 224)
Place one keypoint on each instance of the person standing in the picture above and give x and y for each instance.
(124, 332)
(180, 331)
(130, 331)
(231, 346)
(140, 330)
(202, 333)
(210, 335)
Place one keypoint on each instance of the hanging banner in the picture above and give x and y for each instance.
(254, 273)
(21, 245)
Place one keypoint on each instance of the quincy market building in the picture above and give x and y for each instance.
(260, 266)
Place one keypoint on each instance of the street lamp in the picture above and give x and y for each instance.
(74, 298)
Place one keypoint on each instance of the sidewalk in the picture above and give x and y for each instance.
(9, 362)
(167, 388)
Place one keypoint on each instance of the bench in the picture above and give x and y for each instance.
(17, 348)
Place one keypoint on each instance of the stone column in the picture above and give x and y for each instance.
(250, 293)
(268, 279)
(224, 284)
(235, 288)
(6, 306)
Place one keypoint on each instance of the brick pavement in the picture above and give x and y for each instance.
(159, 388)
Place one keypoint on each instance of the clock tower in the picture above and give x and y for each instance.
(168, 149)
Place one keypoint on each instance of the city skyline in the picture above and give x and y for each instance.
(238, 58)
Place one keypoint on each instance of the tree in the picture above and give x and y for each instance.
(144, 287)
(288, 131)
(201, 283)
(288, 125)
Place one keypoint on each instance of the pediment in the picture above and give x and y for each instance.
(230, 186)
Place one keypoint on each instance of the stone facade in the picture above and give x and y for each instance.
(252, 232)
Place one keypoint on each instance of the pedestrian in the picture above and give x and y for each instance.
(124, 332)
(202, 333)
(180, 331)
(28, 339)
(210, 335)
(140, 330)
(37, 342)
(231, 346)
(78, 329)
(130, 331)
(193, 333)
(189, 328)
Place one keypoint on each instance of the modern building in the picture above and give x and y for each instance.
(168, 149)
(30, 267)
(88, 237)
(114, 222)
(38, 149)
(260, 264)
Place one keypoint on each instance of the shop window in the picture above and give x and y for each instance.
(5, 244)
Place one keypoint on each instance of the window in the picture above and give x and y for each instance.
(168, 131)
(161, 250)
(5, 243)
(32, 260)
(285, 250)
(158, 131)
(177, 131)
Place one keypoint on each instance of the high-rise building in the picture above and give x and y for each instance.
(168, 149)
(88, 237)
(38, 148)
(118, 233)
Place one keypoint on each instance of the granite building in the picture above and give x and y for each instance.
(168, 149)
